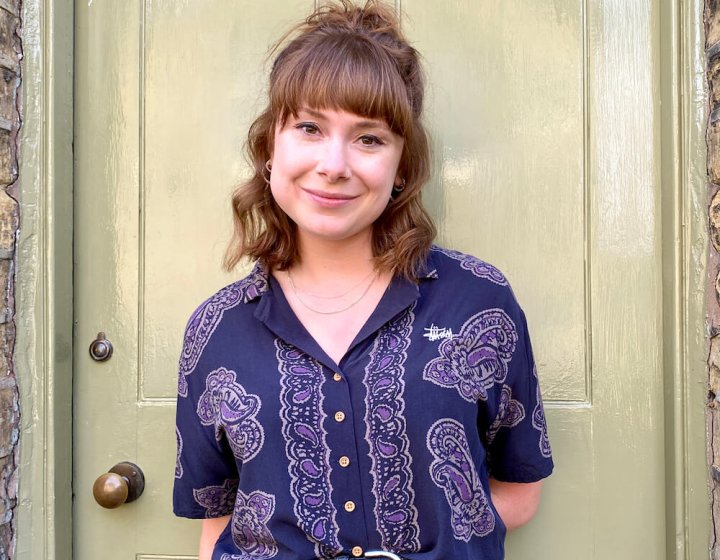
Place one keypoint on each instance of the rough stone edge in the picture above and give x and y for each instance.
(9, 474)
(712, 52)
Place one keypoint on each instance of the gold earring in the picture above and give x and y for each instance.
(397, 189)
(268, 166)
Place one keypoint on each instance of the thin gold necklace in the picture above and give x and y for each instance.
(346, 292)
(335, 311)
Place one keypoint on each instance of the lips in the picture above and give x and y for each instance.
(329, 199)
(330, 195)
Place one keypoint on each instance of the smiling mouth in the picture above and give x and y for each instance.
(330, 195)
(330, 200)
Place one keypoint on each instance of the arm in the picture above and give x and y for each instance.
(211, 529)
(516, 502)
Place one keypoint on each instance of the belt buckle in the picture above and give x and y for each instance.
(381, 554)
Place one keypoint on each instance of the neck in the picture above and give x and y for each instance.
(327, 262)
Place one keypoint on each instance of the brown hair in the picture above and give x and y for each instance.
(355, 59)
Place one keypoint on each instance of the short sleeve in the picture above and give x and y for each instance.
(206, 475)
(514, 427)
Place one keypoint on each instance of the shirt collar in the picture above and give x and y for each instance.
(429, 270)
(275, 313)
(257, 282)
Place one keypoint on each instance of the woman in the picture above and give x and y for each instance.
(362, 393)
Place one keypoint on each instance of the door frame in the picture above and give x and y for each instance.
(44, 289)
(44, 294)
(684, 198)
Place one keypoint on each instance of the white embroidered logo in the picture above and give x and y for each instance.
(433, 333)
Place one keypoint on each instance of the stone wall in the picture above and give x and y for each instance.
(10, 54)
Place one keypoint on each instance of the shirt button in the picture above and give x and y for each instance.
(337, 377)
(357, 551)
(339, 416)
(344, 461)
(349, 506)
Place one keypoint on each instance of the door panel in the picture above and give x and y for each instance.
(202, 85)
(545, 149)
(165, 92)
(507, 107)
(545, 165)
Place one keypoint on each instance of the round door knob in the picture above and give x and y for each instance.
(100, 349)
(122, 484)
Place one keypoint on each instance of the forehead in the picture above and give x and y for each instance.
(341, 115)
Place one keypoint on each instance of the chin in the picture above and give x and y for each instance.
(334, 235)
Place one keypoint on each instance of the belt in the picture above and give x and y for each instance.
(372, 554)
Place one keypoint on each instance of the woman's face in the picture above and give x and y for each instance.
(333, 172)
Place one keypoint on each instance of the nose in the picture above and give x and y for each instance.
(333, 161)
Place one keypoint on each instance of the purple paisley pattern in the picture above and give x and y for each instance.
(217, 500)
(454, 471)
(386, 435)
(225, 405)
(178, 465)
(538, 422)
(306, 447)
(249, 529)
(510, 413)
(479, 268)
(477, 358)
(206, 318)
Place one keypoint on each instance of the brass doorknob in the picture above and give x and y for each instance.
(122, 484)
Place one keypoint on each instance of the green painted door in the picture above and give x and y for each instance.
(546, 164)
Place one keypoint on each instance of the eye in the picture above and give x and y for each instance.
(310, 129)
(370, 140)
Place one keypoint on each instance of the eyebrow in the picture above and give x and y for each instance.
(360, 124)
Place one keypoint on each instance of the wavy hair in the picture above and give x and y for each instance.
(355, 59)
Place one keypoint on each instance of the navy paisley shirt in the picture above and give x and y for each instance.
(391, 449)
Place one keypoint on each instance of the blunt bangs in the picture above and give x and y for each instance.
(341, 72)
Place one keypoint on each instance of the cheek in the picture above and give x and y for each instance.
(288, 164)
(280, 194)
(393, 175)
(384, 178)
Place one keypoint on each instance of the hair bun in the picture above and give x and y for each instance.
(373, 17)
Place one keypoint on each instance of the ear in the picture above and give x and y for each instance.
(399, 182)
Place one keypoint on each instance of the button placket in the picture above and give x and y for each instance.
(341, 429)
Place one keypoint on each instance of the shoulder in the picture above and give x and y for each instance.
(464, 265)
(242, 291)
(207, 318)
(479, 284)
